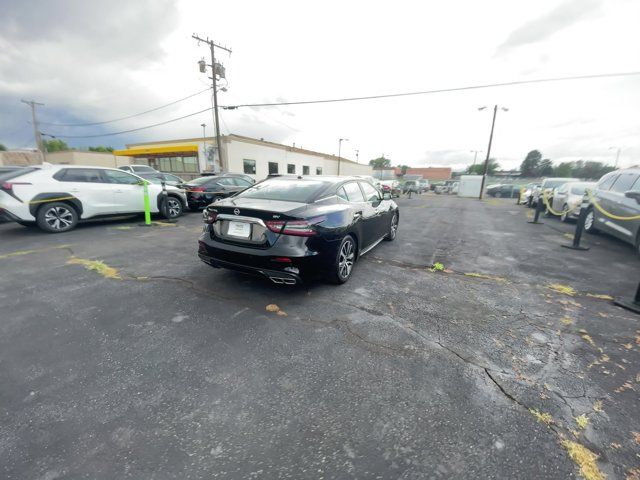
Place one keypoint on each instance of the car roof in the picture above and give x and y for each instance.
(326, 178)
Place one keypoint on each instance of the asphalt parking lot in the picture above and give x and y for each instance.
(510, 362)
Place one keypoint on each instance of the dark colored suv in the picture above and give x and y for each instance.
(206, 190)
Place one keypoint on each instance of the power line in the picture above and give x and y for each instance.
(134, 129)
(127, 117)
(441, 90)
(372, 97)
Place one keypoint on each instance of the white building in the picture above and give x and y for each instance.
(255, 157)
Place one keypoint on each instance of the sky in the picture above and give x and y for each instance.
(102, 60)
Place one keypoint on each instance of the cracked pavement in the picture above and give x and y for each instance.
(178, 370)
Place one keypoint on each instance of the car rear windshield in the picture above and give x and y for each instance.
(580, 188)
(202, 180)
(554, 183)
(286, 190)
(15, 173)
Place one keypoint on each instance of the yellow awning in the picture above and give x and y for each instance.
(141, 152)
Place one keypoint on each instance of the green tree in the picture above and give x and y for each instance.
(478, 168)
(529, 166)
(403, 169)
(100, 148)
(55, 145)
(565, 169)
(380, 162)
(545, 168)
(3, 148)
(591, 170)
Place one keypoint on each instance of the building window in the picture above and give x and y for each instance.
(305, 169)
(291, 168)
(273, 168)
(190, 164)
(176, 164)
(318, 170)
(249, 166)
(165, 164)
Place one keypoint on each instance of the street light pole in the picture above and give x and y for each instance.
(617, 154)
(339, 151)
(475, 155)
(486, 161)
(214, 81)
(204, 143)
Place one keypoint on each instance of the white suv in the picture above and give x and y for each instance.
(57, 197)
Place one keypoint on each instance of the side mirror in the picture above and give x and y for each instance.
(386, 196)
(634, 195)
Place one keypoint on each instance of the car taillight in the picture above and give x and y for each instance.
(299, 228)
(386, 187)
(9, 185)
(195, 189)
(209, 216)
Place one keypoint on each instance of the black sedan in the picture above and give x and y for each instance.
(204, 190)
(291, 228)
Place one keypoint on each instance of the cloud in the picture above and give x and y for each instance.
(563, 16)
(82, 59)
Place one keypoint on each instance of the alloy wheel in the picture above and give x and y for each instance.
(588, 221)
(58, 218)
(345, 261)
(174, 207)
(394, 226)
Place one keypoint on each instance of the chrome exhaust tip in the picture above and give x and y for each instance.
(283, 280)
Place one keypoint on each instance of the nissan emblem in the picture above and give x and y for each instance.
(236, 211)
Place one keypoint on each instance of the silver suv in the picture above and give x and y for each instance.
(618, 193)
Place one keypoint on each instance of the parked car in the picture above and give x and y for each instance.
(291, 228)
(547, 188)
(617, 193)
(411, 186)
(527, 195)
(392, 187)
(138, 169)
(158, 177)
(57, 197)
(449, 186)
(424, 185)
(205, 190)
(567, 199)
(248, 178)
(506, 190)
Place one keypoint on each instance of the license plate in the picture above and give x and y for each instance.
(239, 229)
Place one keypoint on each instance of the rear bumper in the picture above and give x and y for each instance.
(303, 261)
(276, 276)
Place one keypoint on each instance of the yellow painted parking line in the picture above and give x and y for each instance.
(19, 253)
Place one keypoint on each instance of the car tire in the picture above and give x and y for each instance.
(590, 221)
(57, 217)
(565, 215)
(393, 228)
(175, 207)
(344, 261)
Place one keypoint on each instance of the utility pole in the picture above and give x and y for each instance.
(486, 161)
(214, 71)
(34, 120)
(357, 156)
